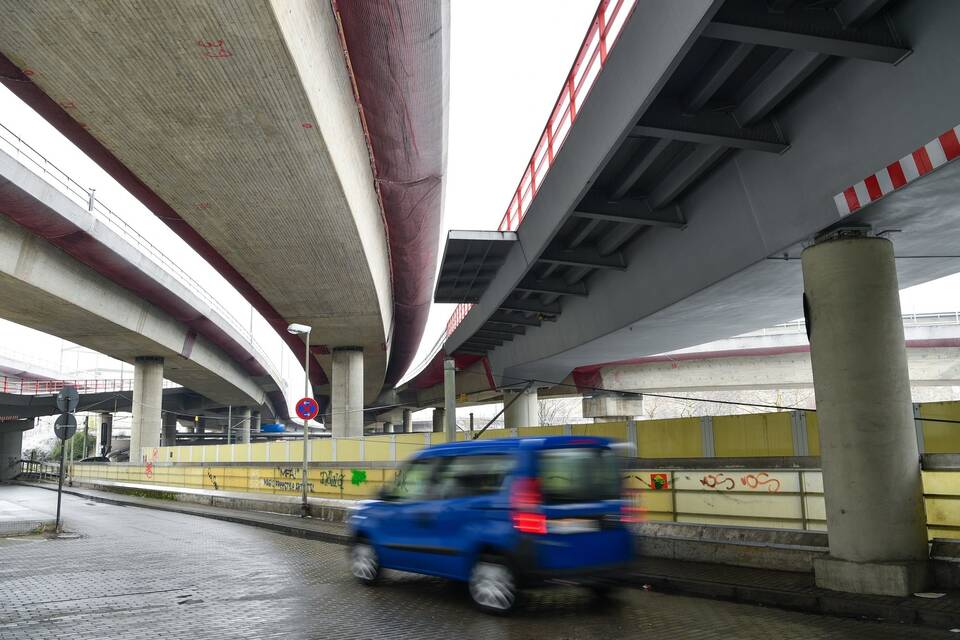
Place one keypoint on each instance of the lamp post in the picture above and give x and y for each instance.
(302, 329)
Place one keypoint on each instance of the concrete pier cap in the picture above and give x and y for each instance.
(871, 463)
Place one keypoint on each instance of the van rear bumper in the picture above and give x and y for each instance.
(531, 574)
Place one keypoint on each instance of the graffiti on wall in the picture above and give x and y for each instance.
(758, 480)
(357, 477)
(754, 481)
(657, 481)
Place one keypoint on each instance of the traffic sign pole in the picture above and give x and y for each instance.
(63, 455)
(66, 425)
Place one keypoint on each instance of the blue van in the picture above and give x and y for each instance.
(500, 515)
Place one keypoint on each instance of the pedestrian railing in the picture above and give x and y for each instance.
(39, 470)
(27, 387)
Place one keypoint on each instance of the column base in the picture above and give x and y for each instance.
(875, 578)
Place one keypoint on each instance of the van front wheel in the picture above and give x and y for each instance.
(364, 563)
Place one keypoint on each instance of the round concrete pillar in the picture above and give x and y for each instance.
(105, 433)
(169, 437)
(524, 412)
(868, 445)
(242, 421)
(147, 401)
(407, 421)
(346, 397)
(438, 420)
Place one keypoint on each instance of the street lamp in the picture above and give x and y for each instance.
(302, 329)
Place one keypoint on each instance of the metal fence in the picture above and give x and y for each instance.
(25, 387)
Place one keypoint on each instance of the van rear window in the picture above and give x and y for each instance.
(578, 474)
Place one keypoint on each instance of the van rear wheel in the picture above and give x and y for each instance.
(493, 585)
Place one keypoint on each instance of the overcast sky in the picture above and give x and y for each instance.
(508, 61)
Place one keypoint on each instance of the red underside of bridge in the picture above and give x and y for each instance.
(396, 54)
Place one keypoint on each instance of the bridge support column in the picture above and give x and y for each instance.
(169, 438)
(242, 420)
(255, 422)
(105, 433)
(147, 399)
(407, 421)
(346, 396)
(868, 447)
(438, 420)
(450, 399)
(612, 407)
(525, 412)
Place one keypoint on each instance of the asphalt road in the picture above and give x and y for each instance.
(128, 572)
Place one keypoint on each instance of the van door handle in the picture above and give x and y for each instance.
(423, 518)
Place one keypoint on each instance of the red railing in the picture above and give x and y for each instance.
(603, 32)
(50, 387)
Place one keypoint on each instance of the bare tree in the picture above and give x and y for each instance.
(556, 411)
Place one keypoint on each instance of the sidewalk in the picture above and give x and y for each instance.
(783, 589)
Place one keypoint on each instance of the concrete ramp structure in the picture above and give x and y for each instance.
(314, 187)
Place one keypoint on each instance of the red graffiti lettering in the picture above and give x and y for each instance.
(214, 49)
(718, 481)
(761, 479)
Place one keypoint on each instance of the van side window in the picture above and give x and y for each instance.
(473, 475)
(413, 481)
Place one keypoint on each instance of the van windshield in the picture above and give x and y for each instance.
(581, 474)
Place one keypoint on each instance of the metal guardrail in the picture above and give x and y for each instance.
(601, 36)
(27, 387)
(39, 470)
(943, 318)
(69, 187)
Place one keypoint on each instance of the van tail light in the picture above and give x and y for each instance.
(525, 503)
(631, 511)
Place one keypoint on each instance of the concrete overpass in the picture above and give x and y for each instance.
(79, 273)
(312, 181)
(17, 364)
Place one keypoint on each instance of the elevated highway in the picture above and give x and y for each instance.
(72, 268)
(679, 199)
(298, 147)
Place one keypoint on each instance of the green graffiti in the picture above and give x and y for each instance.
(357, 477)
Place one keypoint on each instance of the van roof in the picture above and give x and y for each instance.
(511, 444)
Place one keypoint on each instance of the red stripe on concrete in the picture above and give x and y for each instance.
(873, 188)
(922, 158)
(950, 144)
(853, 203)
(895, 171)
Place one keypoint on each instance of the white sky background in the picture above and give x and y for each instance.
(508, 61)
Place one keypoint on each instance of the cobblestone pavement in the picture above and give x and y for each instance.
(139, 573)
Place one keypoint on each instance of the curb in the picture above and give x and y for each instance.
(819, 602)
(287, 529)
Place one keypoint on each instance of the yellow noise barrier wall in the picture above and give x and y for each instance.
(751, 498)
(757, 497)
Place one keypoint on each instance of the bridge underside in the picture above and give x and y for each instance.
(690, 175)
